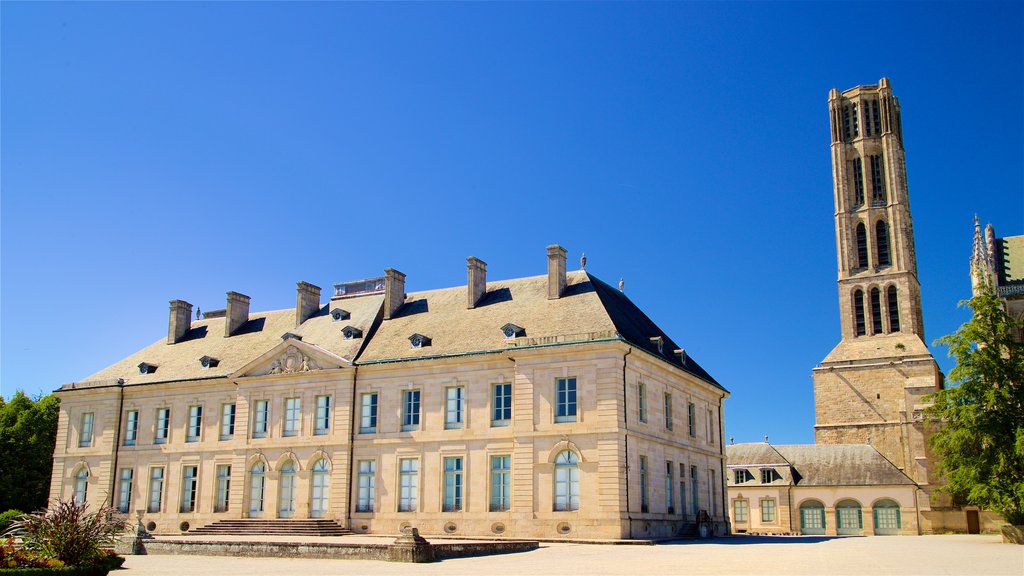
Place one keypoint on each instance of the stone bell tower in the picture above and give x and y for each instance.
(871, 387)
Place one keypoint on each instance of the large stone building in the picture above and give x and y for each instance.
(548, 406)
(1000, 262)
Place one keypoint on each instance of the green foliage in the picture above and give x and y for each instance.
(28, 429)
(69, 533)
(980, 441)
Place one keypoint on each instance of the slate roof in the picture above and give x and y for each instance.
(823, 464)
(753, 454)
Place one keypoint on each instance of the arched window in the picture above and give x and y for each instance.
(862, 246)
(882, 243)
(858, 313)
(894, 310)
(812, 518)
(849, 521)
(567, 481)
(321, 487)
(887, 518)
(257, 481)
(286, 491)
(81, 485)
(876, 311)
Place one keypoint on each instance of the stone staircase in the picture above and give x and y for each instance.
(257, 527)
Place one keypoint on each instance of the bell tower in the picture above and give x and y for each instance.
(871, 387)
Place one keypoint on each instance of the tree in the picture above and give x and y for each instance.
(28, 429)
(980, 437)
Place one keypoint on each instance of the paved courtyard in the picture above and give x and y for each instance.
(925, 555)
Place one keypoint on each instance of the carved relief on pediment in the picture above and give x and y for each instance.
(291, 361)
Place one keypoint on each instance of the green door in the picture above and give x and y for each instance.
(887, 518)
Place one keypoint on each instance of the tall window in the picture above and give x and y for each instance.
(740, 511)
(156, 490)
(453, 409)
(858, 181)
(875, 121)
(644, 500)
(877, 180)
(292, 416)
(257, 483)
(81, 485)
(163, 425)
(261, 419)
(670, 487)
(286, 491)
(567, 481)
(367, 485)
(768, 510)
(862, 246)
(691, 418)
(682, 488)
(502, 413)
(452, 484)
(195, 423)
(408, 484)
(876, 311)
(641, 401)
(321, 489)
(894, 309)
(323, 416)
(882, 243)
(668, 411)
(501, 483)
(713, 491)
(858, 313)
(223, 488)
(851, 121)
(189, 483)
(711, 426)
(565, 400)
(368, 414)
(227, 421)
(410, 410)
(693, 490)
(124, 495)
(131, 428)
(85, 436)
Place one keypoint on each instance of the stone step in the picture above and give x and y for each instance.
(273, 527)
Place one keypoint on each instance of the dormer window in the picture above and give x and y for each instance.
(350, 332)
(338, 314)
(290, 336)
(743, 475)
(419, 341)
(512, 331)
(769, 475)
(681, 354)
(208, 362)
(659, 342)
(146, 368)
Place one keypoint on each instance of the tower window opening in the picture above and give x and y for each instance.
(858, 181)
(877, 182)
(858, 312)
(882, 242)
(851, 121)
(876, 118)
(876, 311)
(862, 246)
(894, 310)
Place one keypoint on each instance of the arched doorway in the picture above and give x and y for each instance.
(321, 487)
(849, 521)
(887, 518)
(257, 481)
(812, 518)
(286, 491)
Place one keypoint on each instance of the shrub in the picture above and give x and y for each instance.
(8, 518)
(69, 533)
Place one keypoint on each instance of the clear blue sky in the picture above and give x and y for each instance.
(156, 151)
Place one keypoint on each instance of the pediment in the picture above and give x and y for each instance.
(292, 356)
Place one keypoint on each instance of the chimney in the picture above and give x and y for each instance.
(477, 284)
(237, 313)
(307, 302)
(556, 271)
(180, 321)
(394, 292)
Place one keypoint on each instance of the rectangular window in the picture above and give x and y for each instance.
(713, 491)
(501, 483)
(85, 435)
(668, 411)
(189, 483)
(565, 400)
(261, 419)
(858, 181)
(323, 415)
(693, 490)
(502, 413)
(124, 496)
(453, 407)
(876, 122)
(408, 484)
(711, 427)
(691, 418)
(767, 510)
(877, 182)
(292, 416)
(368, 414)
(740, 511)
(682, 488)
(743, 475)
(855, 114)
(644, 505)
(223, 488)
(131, 428)
(641, 401)
(452, 484)
(670, 487)
(410, 410)
(156, 490)
(367, 485)
(227, 421)
(195, 423)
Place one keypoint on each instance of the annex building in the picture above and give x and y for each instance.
(548, 406)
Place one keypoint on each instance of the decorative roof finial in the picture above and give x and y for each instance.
(198, 312)
(765, 438)
(731, 440)
(622, 285)
(583, 261)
